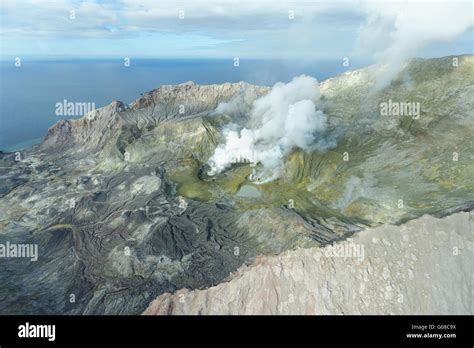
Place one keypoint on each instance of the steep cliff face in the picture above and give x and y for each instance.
(116, 125)
(422, 267)
(91, 132)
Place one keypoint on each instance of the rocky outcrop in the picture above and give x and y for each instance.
(116, 124)
(422, 267)
(91, 132)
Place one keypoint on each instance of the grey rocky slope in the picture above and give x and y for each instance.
(112, 231)
(422, 267)
(121, 212)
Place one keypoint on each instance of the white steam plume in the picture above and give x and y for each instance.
(284, 118)
(399, 30)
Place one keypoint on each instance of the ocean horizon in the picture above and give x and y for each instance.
(25, 117)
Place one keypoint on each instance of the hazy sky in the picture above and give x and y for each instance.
(227, 28)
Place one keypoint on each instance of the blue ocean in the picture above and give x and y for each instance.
(29, 93)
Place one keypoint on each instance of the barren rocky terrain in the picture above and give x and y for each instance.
(122, 210)
(423, 267)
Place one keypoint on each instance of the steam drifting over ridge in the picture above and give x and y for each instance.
(285, 118)
(397, 31)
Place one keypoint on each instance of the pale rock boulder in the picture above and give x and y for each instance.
(146, 184)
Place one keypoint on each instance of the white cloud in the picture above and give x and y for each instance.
(285, 118)
(150, 15)
(395, 31)
(391, 31)
(254, 28)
